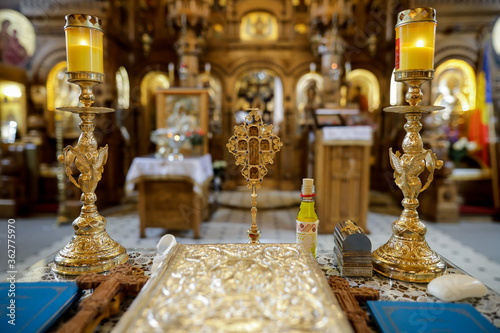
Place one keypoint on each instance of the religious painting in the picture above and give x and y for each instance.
(17, 38)
(454, 87)
(259, 26)
(183, 111)
(150, 84)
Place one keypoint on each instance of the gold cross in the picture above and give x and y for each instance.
(254, 145)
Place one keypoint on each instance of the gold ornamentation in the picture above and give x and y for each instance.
(83, 21)
(236, 288)
(254, 145)
(414, 79)
(423, 14)
(407, 256)
(91, 250)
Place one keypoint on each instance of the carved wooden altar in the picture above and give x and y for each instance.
(342, 172)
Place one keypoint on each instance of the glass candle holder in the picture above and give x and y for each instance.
(415, 38)
(84, 46)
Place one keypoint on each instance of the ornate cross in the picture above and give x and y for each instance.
(105, 300)
(254, 145)
(349, 298)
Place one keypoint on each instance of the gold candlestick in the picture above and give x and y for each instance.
(407, 256)
(91, 250)
(254, 145)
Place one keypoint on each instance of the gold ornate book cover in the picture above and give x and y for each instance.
(236, 288)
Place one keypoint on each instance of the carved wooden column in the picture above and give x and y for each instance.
(190, 18)
(188, 47)
(326, 18)
(331, 65)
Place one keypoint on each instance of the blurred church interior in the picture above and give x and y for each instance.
(181, 74)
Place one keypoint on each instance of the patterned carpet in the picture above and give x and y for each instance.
(229, 225)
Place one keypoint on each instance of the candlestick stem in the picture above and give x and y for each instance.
(414, 79)
(86, 81)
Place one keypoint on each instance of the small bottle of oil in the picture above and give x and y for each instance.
(307, 219)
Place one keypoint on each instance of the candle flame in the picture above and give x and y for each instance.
(420, 43)
(82, 42)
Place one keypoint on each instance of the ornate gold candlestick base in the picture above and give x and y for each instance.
(407, 256)
(91, 250)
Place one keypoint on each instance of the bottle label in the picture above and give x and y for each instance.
(307, 234)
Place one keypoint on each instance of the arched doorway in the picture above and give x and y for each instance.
(461, 130)
(150, 83)
(121, 114)
(61, 93)
(364, 82)
(262, 89)
(308, 95)
(122, 88)
(454, 87)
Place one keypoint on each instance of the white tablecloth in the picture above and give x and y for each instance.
(347, 133)
(199, 169)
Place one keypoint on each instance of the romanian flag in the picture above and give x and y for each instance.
(479, 120)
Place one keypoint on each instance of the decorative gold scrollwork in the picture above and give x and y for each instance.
(254, 145)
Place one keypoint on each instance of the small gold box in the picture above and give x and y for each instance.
(353, 250)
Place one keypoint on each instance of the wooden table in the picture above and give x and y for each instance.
(172, 194)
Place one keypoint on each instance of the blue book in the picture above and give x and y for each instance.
(409, 317)
(34, 306)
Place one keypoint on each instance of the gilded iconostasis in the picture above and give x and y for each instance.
(304, 64)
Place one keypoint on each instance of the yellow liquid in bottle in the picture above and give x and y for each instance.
(307, 225)
(307, 212)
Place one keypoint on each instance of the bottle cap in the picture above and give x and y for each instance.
(307, 186)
